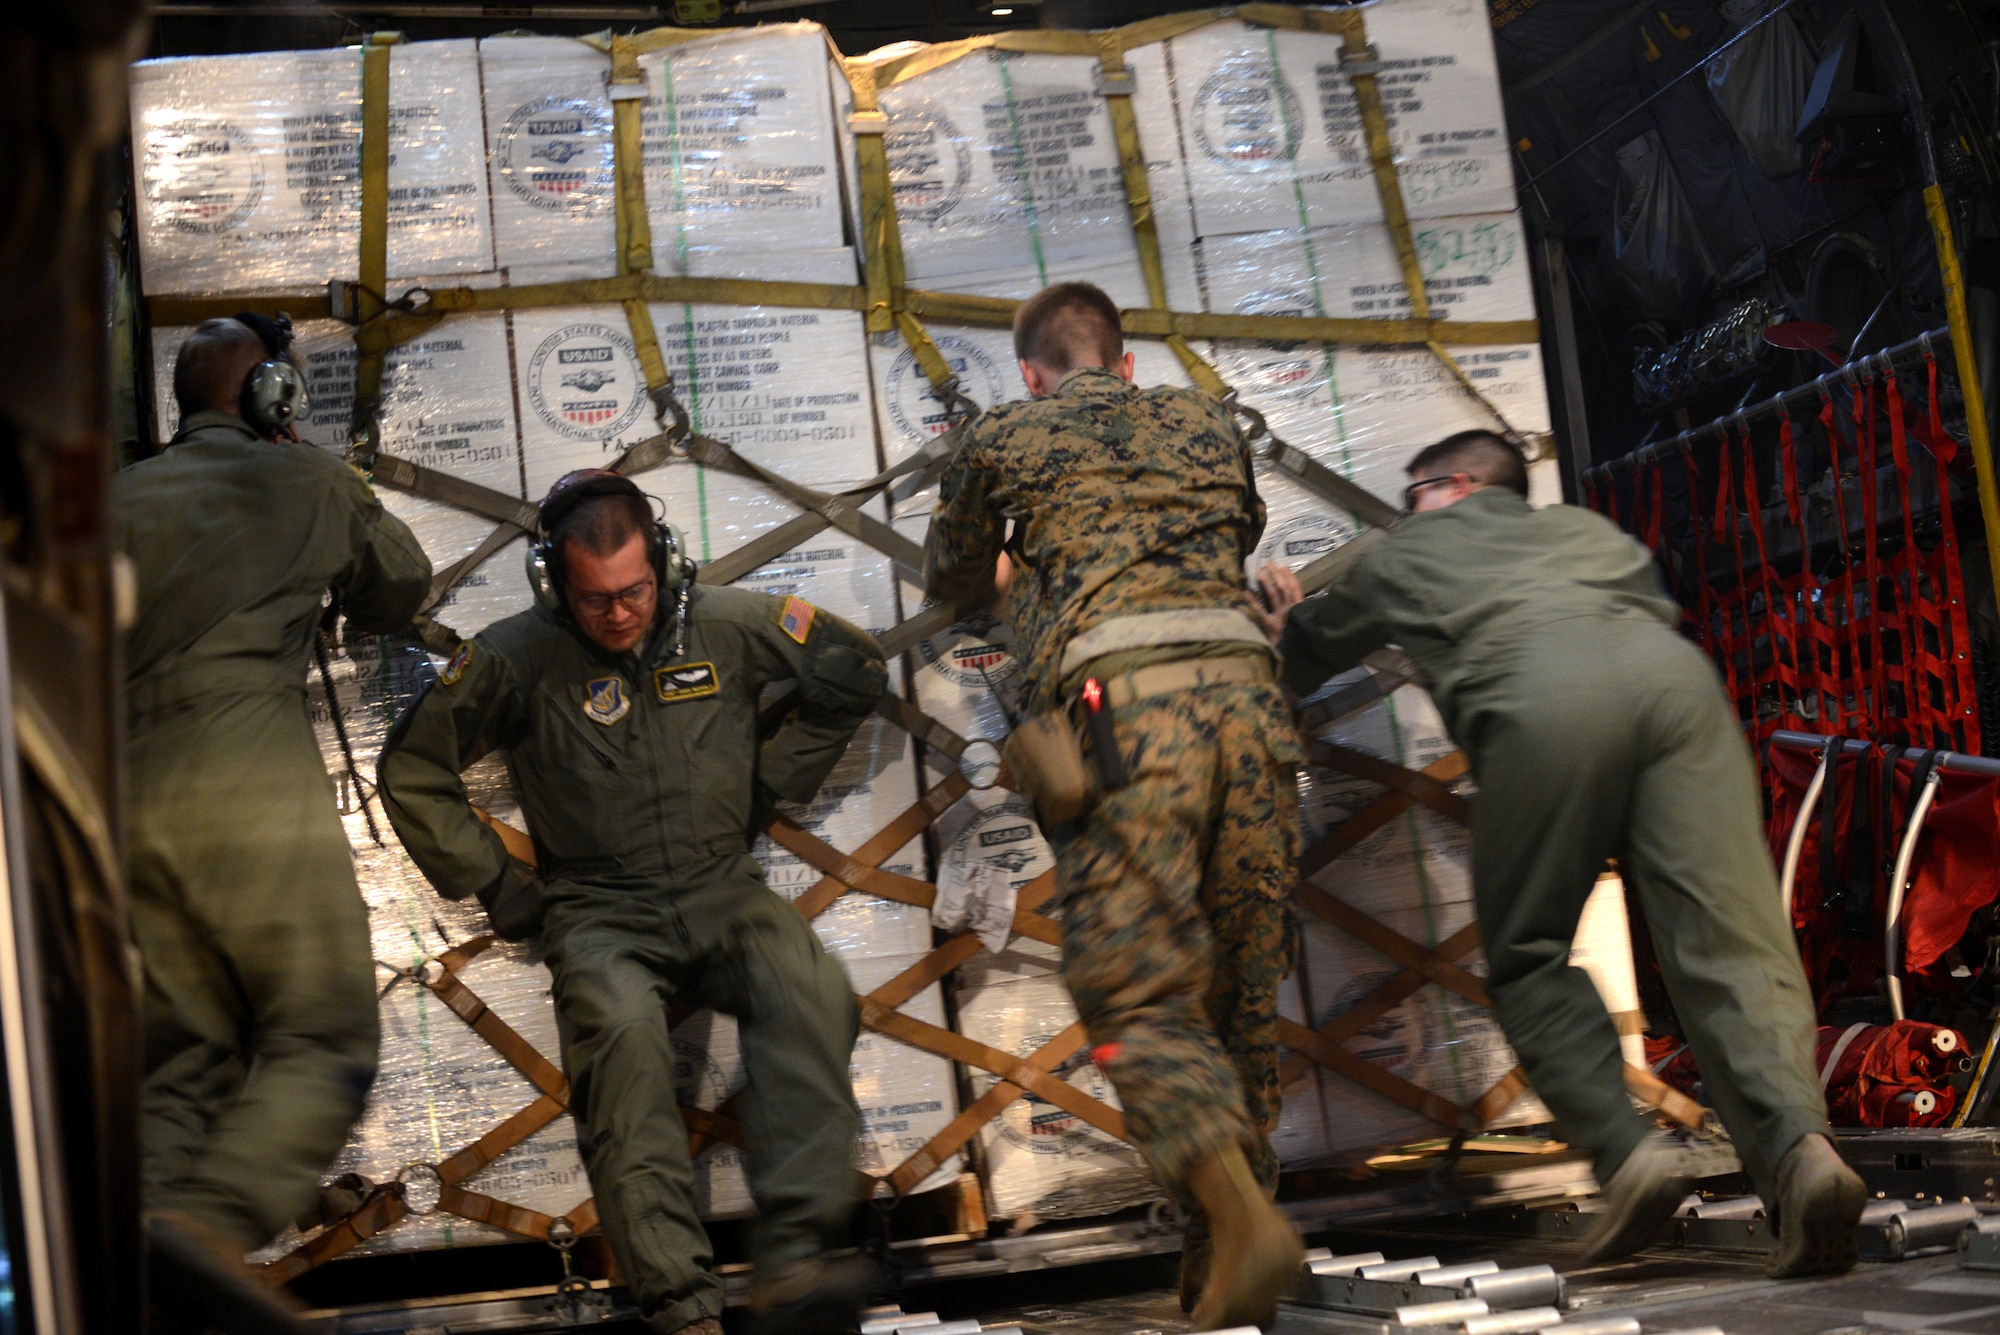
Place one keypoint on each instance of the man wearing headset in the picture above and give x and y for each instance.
(628, 703)
(260, 1030)
(1596, 731)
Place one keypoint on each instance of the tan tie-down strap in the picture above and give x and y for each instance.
(1420, 964)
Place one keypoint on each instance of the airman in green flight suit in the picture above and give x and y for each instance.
(260, 1029)
(1596, 731)
(628, 705)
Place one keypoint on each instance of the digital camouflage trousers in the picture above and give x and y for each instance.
(1176, 895)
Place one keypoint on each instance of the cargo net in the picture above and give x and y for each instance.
(1335, 519)
(1818, 561)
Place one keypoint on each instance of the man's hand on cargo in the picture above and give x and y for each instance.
(1280, 590)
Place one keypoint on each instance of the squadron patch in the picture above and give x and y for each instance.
(455, 667)
(606, 701)
(686, 681)
(797, 619)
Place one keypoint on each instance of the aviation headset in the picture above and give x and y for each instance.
(545, 572)
(273, 398)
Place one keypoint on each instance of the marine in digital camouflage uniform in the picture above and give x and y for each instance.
(645, 775)
(260, 1018)
(1175, 890)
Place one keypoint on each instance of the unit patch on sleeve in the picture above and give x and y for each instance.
(455, 667)
(606, 700)
(686, 681)
(797, 619)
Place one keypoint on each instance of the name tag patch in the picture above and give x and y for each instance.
(606, 700)
(797, 619)
(686, 681)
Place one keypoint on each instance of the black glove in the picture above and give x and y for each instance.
(514, 904)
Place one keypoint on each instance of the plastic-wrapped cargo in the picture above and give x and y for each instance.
(1002, 159)
(783, 386)
(248, 167)
(983, 359)
(1271, 136)
(1364, 411)
(737, 139)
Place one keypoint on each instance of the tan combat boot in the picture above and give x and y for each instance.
(1818, 1212)
(1257, 1252)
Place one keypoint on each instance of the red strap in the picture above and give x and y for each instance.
(1840, 614)
(1811, 603)
(1783, 650)
(1963, 703)
(1916, 596)
(1864, 444)
(1703, 617)
(1725, 522)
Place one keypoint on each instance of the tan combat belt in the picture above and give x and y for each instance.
(1045, 753)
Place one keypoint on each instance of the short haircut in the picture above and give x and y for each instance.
(604, 524)
(1068, 325)
(212, 365)
(1480, 455)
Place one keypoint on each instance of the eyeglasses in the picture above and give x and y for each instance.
(635, 597)
(1410, 492)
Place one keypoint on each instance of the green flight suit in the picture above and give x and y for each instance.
(644, 782)
(260, 1025)
(1595, 731)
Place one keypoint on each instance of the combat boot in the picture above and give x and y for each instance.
(1642, 1195)
(820, 1296)
(1257, 1252)
(1818, 1212)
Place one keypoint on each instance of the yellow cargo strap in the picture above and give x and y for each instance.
(1360, 59)
(1976, 425)
(371, 338)
(1115, 82)
(881, 237)
(626, 85)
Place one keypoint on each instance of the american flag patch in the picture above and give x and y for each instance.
(797, 619)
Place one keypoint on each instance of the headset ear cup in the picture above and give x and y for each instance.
(274, 397)
(541, 579)
(672, 571)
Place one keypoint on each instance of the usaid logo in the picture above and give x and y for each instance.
(929, 163)
(1285, 371)
(201, 175)
(584, 382)
(974, 653)
(556, 154)
(1246, 118)
(915, 412)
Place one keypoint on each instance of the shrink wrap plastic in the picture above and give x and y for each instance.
(248, 167)
(983, 359)
(1002, 159)
(737, 140)
(1041, 1160)
(1270, 135)
(1364, 411)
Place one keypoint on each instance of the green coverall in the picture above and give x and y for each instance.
(644, 783)
(260, 1024)
(1595, 731)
